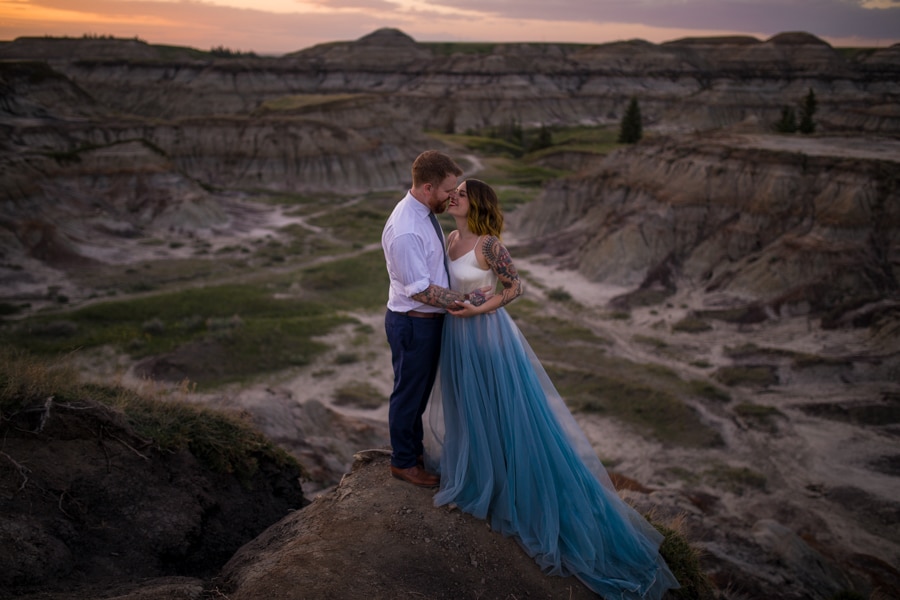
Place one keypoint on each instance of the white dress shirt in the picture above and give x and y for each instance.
(414, 255)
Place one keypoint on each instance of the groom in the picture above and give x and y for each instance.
(418, 298)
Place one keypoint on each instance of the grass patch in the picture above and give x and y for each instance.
(305, 101)
(641, 297)
(223, 442)
(799, 360)
(152, 275)
(705, 389)
(809, 361)
(684, 475)
(652, 342)
(354, 283)
(617, 315)
(759, 416)
(223, 333)
(652, 409)
(296, 242)
(361, 223)
(175, 315)
(756, 411)
(359, 394)
(553, 332)
(751, 350)
(559, 295)
(346, 358)
(691, 324)
(749, 375)
(531, 175)
(599, 140)
(736, 480)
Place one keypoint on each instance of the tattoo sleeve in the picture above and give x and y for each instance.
(498, 258)
(436, 295)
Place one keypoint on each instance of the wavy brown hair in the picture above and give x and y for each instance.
(484, 216)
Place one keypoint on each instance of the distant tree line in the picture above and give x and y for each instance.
(806, 124)
(223, 52)
(100, 36)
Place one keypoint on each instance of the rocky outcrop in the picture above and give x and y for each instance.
(377, 537)
(790, 224)
(88, 505)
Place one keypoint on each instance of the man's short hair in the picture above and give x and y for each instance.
(433, 167)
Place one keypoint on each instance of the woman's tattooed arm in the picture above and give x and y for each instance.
(498, 258)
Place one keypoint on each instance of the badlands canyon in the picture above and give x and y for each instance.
(718, 303)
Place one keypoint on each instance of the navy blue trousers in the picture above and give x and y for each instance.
(415, 347)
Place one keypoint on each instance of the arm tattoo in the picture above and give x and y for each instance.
(498, 258)
(436, 295)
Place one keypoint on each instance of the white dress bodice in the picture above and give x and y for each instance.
(466, 275)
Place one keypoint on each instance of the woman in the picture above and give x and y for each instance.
(509, 450)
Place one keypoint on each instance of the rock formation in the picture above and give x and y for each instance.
(783, 225)
(686, 85)
(92, 505)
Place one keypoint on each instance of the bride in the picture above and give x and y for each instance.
(507, 447)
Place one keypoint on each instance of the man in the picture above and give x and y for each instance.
(418, 298)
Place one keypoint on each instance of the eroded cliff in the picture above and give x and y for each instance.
(691, 84)
(792, 226)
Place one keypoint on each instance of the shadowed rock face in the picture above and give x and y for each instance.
(97, 505)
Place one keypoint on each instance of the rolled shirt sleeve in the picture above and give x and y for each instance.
(408, 268)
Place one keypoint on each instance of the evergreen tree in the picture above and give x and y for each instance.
(807, 110)
(788, 122)
(543, 140)
(631, 129)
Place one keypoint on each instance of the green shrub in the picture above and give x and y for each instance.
(559, 295)
(709, 391)
(684, 561)
(735, 479)
(754, 375)
(691, 324)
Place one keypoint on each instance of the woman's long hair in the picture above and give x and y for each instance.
(484, 216)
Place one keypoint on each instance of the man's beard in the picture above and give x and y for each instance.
(442, 207)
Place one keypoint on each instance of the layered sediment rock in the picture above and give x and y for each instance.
(793, 224)
(692, 84)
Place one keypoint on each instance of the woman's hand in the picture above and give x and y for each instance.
(472, 306)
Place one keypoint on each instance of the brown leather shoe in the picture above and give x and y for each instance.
(416, 476)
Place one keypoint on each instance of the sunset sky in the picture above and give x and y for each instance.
(280, 26)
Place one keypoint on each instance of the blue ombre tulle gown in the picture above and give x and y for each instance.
(509, 451)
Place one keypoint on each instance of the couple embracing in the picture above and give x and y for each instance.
(506, 448)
